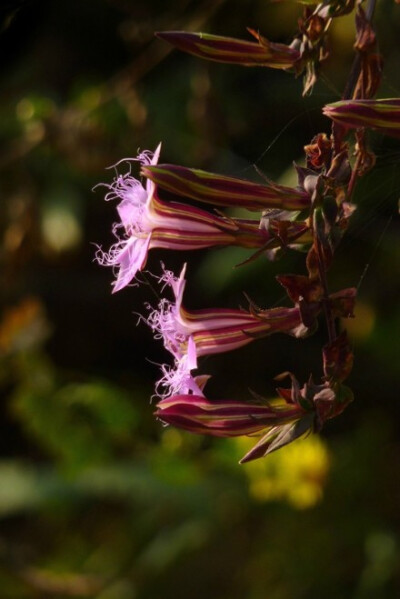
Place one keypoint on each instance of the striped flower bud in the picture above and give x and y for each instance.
(221, 190)
(224, 418)
(262, 53)
(381, 115)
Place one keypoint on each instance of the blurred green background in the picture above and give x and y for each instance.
(96, 498)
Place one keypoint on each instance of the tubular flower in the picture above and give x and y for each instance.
(234, 51)
(225, 191)
(215, 330)
(224, 418)
(147, 222)
(278, 422)
(382, 115)
(297, 412)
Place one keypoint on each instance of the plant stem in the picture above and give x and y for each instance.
(330, 321)
(347, 94)
(356, 66)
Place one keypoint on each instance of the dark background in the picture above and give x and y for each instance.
(96, 498)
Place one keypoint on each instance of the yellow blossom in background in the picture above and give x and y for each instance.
(296, 474)
(172, 440)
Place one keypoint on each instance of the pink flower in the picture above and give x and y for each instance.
(189, 334)
(178, 379)
(148, 222)
(129, 253)
(213, 330)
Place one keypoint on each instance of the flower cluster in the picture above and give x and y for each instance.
(313, 216)
(147, 221)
